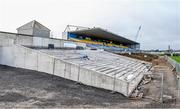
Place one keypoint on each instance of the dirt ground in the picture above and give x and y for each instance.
(141, 56)
(160, 66)
(26, 88)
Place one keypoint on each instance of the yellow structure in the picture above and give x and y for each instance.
(88, 41)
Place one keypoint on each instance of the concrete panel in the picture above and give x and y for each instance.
(45, 42)
(121, 86)
(57, 43)
(102, 81)
(6, 35)
(19, 56)
(22, 57)
(85, 76)
(24, 40)
(106, 82)
(41, 33)
(7, 57)
(45, 63)
(6, 42)
(59, 68)
(74, 72)
(31, 59)
(133, 84)
(67, 73)
(37, 41)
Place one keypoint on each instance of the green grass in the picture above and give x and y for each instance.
(176, 58)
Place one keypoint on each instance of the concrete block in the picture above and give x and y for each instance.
(67, 73)
(24, 40)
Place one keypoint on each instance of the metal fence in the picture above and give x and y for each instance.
(173, 63)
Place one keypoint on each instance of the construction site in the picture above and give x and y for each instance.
(87, 68)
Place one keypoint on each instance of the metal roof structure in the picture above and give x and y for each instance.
(103, 34)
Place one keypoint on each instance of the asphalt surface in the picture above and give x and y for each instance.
(27, 88)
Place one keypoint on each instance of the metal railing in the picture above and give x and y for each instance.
(175, 64)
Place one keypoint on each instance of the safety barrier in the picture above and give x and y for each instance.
(175, 64)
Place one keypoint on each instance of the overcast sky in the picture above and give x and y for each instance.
(160, 19)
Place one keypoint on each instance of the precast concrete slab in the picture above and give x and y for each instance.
(110, 71)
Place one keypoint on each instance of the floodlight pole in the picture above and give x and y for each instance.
(178, 88)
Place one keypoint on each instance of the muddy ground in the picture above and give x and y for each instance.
(26, 88)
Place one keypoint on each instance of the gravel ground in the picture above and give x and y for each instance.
(26, 88)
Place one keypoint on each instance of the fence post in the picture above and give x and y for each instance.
(178, 88)
(162, 87)
(178, 67)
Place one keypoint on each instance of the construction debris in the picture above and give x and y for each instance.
(140, 90)
(167, 96)
(137, 95)
(146, 79)
(168, 99)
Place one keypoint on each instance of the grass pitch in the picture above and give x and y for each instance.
(176, 58)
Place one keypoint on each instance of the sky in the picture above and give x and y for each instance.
(159, 19)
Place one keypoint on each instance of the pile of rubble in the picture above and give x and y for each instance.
(140, 91)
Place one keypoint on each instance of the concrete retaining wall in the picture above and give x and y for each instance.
(28, 40)
(173, 63)
(23, 57)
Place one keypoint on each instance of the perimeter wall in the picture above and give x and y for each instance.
(30, 41)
